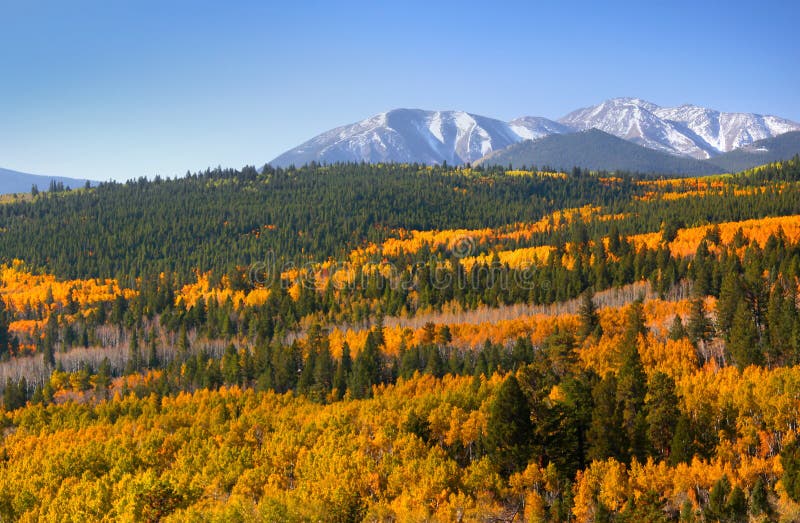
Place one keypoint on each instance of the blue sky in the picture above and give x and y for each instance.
(111, 89)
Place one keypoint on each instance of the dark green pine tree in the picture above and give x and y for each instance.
(48, 351)
(230, 365)
(152, 351)
(134, 358)
(716, 509)
(676, 330)
(662, 413)
(631, 392)
(682, 446)
(634, 323)
(102, 380)
(587, 314)
(782, 316)
(743, 346)
(342, 375)
(699, 325)
(759, 499)
(183, 343)
(5, 336)
(790, 461)
(605, 435)
(366, 369)
(323, 373)
(509, 428)
(736, 505)
(730, 296)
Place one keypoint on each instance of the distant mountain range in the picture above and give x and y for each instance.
(687, 130)
(456, 137)
(17, 182)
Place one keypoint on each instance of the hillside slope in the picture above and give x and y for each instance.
(596, 150)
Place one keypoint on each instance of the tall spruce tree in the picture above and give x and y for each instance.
(509, 428)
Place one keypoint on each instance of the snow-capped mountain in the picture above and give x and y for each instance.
(535, 127)
(406, 135)
(687, 130)
(457, 137)
(727, 131)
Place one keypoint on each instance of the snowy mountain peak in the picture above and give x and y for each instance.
(686, 130)
(406, 135)
(458, 137)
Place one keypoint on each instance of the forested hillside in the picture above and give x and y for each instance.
(403, 343)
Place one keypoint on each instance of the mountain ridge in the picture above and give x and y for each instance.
(459, 137)
(596, 150)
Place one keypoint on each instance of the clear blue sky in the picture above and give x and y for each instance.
(120, 89)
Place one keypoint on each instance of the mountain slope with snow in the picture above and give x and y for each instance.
(687, 130)
(406, 135)
(595, 150)
(457, 137)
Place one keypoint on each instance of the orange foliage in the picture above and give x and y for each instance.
(687, 240)
(20, 288)
(189, 294)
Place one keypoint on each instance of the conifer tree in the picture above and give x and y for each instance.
(662, 412)
(509, 428)
(743, 345)
(587, 314)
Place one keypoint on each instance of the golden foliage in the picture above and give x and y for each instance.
(189, 294)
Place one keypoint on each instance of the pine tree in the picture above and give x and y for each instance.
(152, 353)
(682, 447)
(759, 498)
(509, 428)
(736, 505)
(102, 380)
(183, 343)
(730, 296)
(662, 412)
(323, 373)
(366, 369)
(677, 331)
(744, 344)
(605, 430)
(5, 337)
(790, 461)
(716, 508)
(699, 326)
(134, 359)
(631, 391)
(587, 314)
(230, 365)
(634, 323)
(342, 372)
